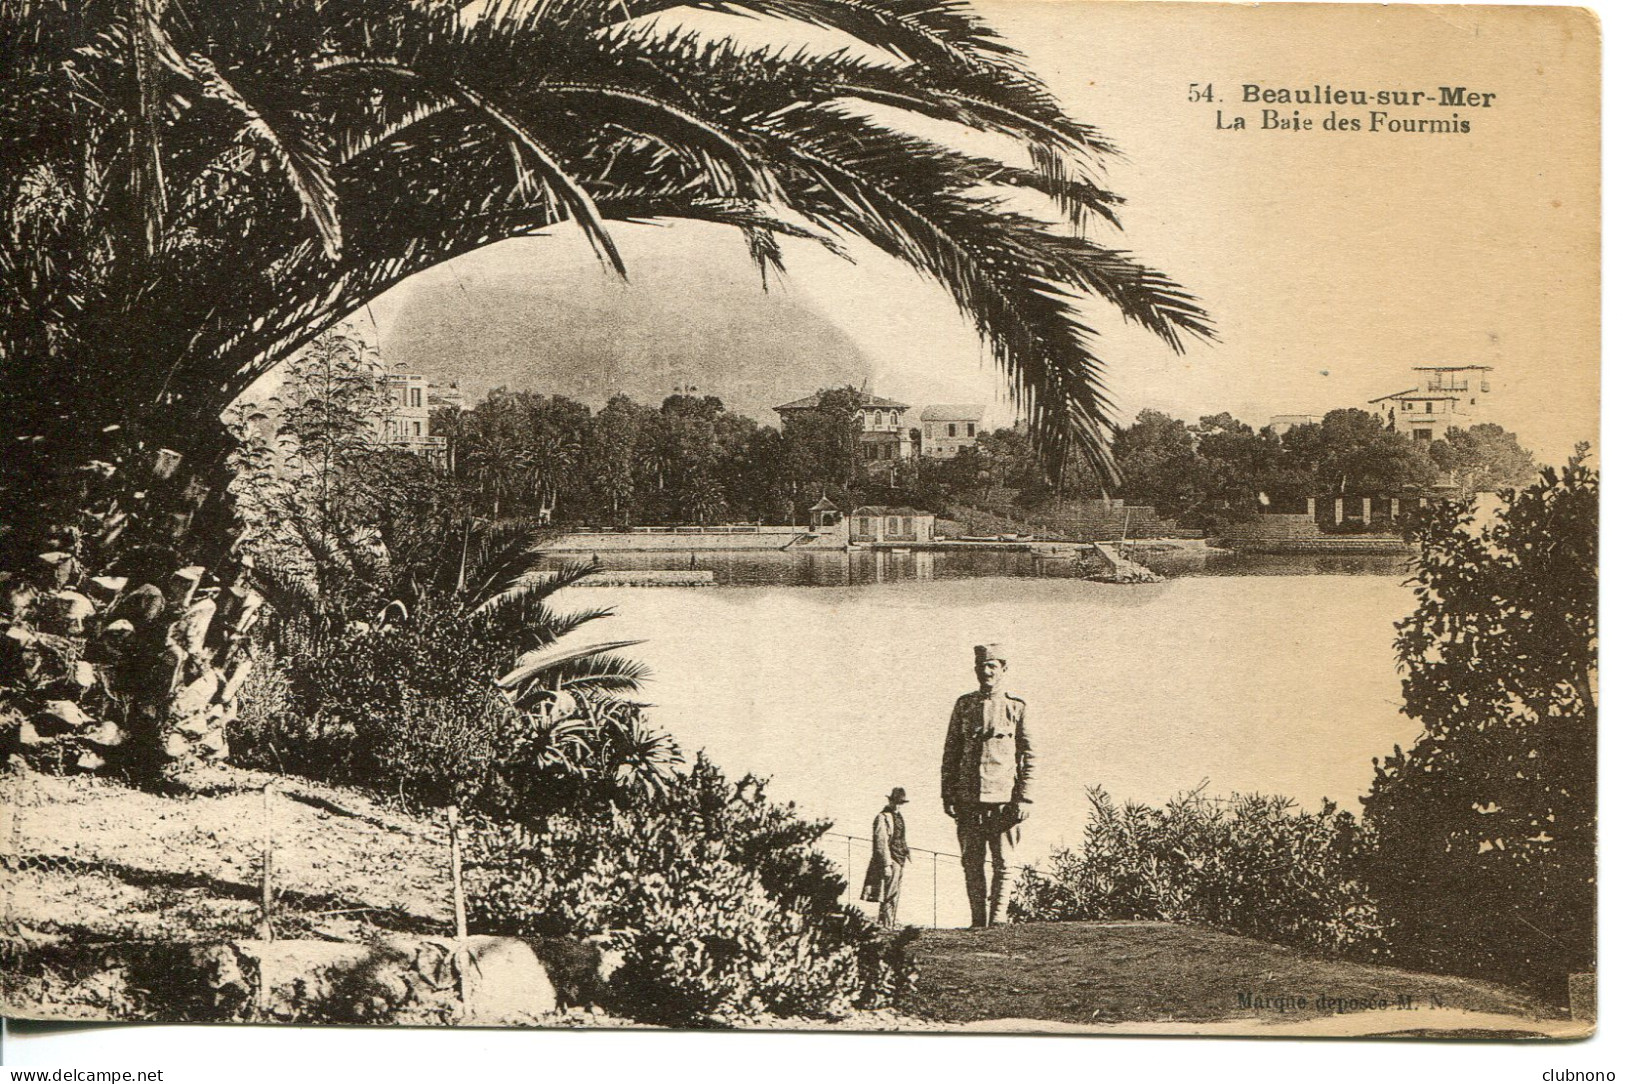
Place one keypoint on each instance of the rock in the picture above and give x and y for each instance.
(90, 762)
(84, 674)
(29, 736)
(68, 611)
(64, 713)
(182, 583)
(193, 726)
(191, 630)
(580, 967)
(107, 735)
(214, 746)
(108, 586)
(59, 567)
(195, 698)
(239, 674)
(509, 983)
(140, 607)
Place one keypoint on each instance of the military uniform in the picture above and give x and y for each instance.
(987, 767)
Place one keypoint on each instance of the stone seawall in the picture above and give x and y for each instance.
(768, 538)
(1330, 545)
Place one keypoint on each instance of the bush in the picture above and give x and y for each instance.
(1484, 833)
(1255, 865)
(409, 705)
(718, 898)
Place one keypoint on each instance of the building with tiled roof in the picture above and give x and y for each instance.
(884, 438)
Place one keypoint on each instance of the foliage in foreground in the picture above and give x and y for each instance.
(414, 705)
(719, 898)
(1254, 865)
(1484, 834)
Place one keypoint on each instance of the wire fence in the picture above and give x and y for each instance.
(946, 904)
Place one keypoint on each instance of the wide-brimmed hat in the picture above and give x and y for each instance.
(898, 794)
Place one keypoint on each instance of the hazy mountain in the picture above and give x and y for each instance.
(593, 337)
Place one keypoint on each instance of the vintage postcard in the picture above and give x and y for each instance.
(877, 515)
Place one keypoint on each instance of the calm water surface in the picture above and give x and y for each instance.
(805, 569)
(1283, 683)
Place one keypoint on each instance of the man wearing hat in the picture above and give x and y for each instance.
(987, 777)
(883, 882)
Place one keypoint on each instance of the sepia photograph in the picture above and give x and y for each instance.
(1054, 517)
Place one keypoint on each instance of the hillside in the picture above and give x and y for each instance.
(86, 861)
(1157, 977)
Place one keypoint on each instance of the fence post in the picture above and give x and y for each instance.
(262, 995)
(459, 910)
(935, 925)
(849, 871)
(267, 932)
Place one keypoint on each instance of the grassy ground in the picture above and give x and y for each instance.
(1105, 973)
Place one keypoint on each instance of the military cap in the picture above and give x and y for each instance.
(986, 652)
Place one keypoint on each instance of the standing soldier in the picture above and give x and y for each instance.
(987, 775)
(883, 881)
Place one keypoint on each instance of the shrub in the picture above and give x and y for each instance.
(717, 897)
(422, 701)
(1253, 865)
(1496, 803)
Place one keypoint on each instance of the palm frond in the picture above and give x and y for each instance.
(533, 665)
(528, 587)
(289, 146)
(732, 170)
(387, 110)
(605, 672)
(557, 626)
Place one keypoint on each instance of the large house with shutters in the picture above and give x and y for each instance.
(405, 421)
(884, 439)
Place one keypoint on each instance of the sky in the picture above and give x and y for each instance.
(1331, 262)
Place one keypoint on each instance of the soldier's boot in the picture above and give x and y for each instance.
(976, 889)
(999, 900)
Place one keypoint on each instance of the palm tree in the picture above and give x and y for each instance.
(194, 190)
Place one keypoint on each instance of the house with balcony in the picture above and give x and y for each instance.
(1445, 397)
(405, 422)
(946, 428)
(884, 438)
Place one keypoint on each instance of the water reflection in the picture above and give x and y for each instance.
(842, 569)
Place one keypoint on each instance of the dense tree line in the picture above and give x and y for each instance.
(1213, 472)
(691, 460)
(688, 460)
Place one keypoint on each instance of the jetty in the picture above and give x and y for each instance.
(1110, 566)
(637, 577)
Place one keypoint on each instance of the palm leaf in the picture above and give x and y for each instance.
(292, 150)
(534, 664)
